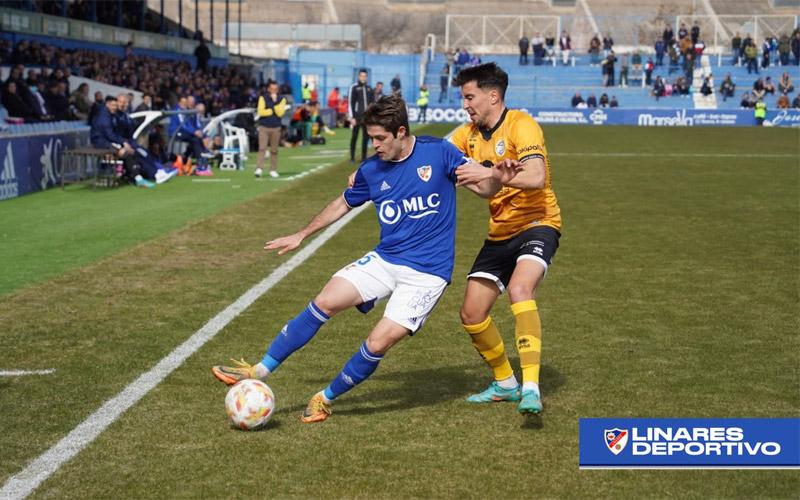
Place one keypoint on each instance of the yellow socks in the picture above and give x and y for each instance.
(487, 341)
(529, 340)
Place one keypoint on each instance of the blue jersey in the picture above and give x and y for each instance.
(415, 200)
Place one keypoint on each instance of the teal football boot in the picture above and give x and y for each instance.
(494, 394)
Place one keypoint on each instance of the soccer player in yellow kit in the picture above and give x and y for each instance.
(524, 229)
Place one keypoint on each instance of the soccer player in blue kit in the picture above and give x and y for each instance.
(411, 181)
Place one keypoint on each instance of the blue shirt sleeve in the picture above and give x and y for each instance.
(452, 158)
(359, 193)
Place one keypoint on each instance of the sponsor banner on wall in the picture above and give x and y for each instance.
(33, 162)
(732, 443)
(639, 117)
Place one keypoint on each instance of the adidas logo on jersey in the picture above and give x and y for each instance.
(385, 186)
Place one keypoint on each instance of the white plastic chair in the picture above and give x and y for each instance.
(235, 146)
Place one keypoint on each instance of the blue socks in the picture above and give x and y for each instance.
(361, 365)
(294, 335)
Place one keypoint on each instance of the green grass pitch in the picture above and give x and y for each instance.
(674, 294)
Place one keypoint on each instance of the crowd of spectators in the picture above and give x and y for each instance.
(162, 81)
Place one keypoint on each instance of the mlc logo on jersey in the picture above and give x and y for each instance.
(616, 439)
(416, 207)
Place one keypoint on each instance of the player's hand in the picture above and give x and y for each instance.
(198, 133)
(285, 243)
(352, 122)
(505, 170)
(351, 179)
(472, 173)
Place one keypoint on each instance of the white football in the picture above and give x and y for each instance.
(250, 404)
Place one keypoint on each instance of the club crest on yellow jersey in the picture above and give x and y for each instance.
(500, 147)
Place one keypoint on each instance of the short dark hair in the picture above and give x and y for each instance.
(485, 76)
(390, 113)
(110, 98)
(363, 70)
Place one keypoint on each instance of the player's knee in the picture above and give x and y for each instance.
(471, 317)
(377, 346)
(326, 305)
(518, 293)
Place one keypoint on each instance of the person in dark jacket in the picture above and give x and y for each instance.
(524, 44)
(359, 98)
(15, 105)
(271, 108)
(203, 55)
(104, 135)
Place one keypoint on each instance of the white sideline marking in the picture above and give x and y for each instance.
(22, 373)
(211, 180)
(26, 481)
(683, 155)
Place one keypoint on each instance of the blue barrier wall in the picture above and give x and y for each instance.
(638, 117)
(30, 163)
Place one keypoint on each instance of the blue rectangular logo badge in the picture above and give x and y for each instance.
(729, 443)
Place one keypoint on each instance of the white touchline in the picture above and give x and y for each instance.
(681, 155)
(22, 373)
(27, 480)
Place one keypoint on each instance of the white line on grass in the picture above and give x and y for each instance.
(682, 155)
(22, 373)
(211, 180)
(26, 481)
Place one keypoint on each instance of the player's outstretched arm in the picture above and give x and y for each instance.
(330, 214)
(530, 174)
(486, 182)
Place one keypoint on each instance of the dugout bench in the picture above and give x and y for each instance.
(87, 163)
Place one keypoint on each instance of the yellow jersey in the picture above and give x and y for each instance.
(516, 136)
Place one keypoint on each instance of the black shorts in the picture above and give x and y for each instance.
(497, 259)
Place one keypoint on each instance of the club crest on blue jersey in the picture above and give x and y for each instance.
(616, 439)
(424, 172)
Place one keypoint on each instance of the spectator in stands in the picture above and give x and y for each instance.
(707, 88)
(796, 101)
(680, 86)
(550, 48)
(608, 45)
(785, 83)
(591, 101)
(636, 63)
(146, 104)
(727, 88)
(648, 71)
(769, 87)
(537, 48)
(271, 108)
(608, 69)
(658, 87)
(784, 48)
(80, 102)
(765, 49)
(565, 45)
(202, 54)
(39, 106)
(686, 47)
(33, 78)
(396, 86)
(359, 97)
(668, 36)
(15, 105)
(796, 47)
(444, 82)
(783, 102)
(695, 32)
(736, 49)
(594, 50)
(473, 61)
(104, 136)
(673, 59)
(747, 101)
(758, 89)
(682, 32)
(305, 93)
(378, 91)
(123, 124)
(577, 101)
(751, 56)
(56, 100)
(524, 44)
(99, 103)
(462, 59)
(699, 48)
(688, 66)
(623, 71)
(604, 100)
(613, 103)
(660, 49)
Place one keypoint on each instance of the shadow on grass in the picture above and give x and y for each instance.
(426, 387)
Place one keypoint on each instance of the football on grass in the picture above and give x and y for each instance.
(250, 404)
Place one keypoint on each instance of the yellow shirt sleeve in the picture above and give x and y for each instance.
(280, 108)
(527, 139)
(263, 110)
(459, 138)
